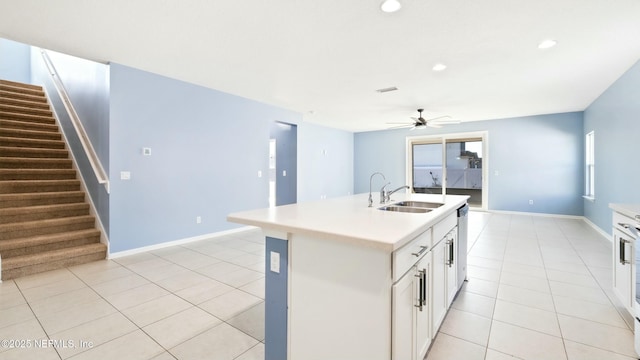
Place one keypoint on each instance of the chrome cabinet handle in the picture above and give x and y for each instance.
(450, 259)
(634, 230)
(422, 289)
(422, 250)
(622, 252)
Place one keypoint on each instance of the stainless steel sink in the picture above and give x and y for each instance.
(405, 209)
(419, 204)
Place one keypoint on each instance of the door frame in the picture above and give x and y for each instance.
(442, 139)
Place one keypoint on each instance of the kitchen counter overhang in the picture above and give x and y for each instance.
(349, 219)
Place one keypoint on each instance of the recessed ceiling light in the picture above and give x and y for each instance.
(549, 43)
(390, 6)
(439, 67)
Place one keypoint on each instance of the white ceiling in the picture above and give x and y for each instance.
(326, 58)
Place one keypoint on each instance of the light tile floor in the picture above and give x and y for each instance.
(202, 300)
(539, 288)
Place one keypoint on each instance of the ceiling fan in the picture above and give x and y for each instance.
(421, 123)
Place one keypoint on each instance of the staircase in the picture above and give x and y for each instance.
(45, 223)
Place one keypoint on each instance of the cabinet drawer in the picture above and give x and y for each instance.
(441, 229)
(620, 218)
(405, 257)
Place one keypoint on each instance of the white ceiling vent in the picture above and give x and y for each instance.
(389, 89)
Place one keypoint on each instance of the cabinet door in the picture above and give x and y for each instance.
(439, 285)
(404, 301)
(423, 318)
(622, 275)
(451, 248)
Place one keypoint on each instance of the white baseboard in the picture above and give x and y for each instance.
(598, 229)
(179, 242)
(507, 212)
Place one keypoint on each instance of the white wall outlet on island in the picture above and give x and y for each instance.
(274, 261)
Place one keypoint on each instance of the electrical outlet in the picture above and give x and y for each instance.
(530, 202)
(198, 219)
(125, 175)
(274, 262)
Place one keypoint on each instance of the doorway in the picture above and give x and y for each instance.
(452, 164)
(283, 145)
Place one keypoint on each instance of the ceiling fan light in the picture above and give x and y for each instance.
(439, 67)
(546, 44)
(390, 6)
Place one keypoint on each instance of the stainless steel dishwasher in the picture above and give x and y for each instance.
(463, 228)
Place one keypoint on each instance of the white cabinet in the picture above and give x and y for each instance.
(444, 280)
(439, 285)
(623, 261)
(451, 248)
(423, 323)
(404, 318)
(411, 326)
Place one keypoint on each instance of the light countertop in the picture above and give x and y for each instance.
(350, 219)
(630, 210)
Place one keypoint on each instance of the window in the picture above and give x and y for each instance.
(449, 164)
(589, 171)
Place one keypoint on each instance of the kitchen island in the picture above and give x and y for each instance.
(348, 281)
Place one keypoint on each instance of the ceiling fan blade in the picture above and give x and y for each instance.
(400, 127)
(398, 123)
(440, 118)
(437, 126)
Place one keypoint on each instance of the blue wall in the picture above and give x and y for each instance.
(87, 85)
(206, 150)
(325, 162)
(537, 157)
(615, 118)
(14, 61)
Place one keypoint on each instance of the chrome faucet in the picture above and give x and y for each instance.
(371, 178)
(383, 192)
(387, 194)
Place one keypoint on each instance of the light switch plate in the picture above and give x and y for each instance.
(274, 261)
(125, 175)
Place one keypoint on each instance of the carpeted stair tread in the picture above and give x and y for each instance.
(35, 163)
(25, 152)
(6, 93)
(21, 246)
(37, 174)
(30, 264)
(31, 186)
(34, 199)
(32, 143)
(25, 110)
(42, 212)
(30, 134)
(44, 240)
(28, 103)
(45, 221)
(20, 85)
(7, 115)
(28, 125)
(43, 227)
